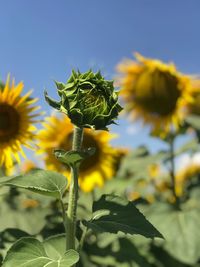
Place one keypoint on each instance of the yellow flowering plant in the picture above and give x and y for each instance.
(89, 101)
(154, 92)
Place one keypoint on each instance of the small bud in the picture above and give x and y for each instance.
(88, 100)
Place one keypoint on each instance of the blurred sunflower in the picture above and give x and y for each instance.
(184, 178)
(146, 188)
(155, 92)
(16, 122)
(57, 133)
(194, 106)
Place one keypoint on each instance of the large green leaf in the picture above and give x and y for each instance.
(29, 220)
(40, 181)
(125, 254)
(8, 237)
(116, 250)
(29, 252)
(114, 214)
(180, 229)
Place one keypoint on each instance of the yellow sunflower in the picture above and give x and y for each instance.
(57, 133)
(155, 92)
(16, 122)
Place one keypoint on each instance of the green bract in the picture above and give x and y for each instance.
(88, 100)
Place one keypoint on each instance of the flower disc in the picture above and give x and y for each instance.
(57, 134)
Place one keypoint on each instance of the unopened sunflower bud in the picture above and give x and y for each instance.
(88, 100)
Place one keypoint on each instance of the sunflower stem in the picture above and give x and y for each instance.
(73, 193)
(172, 170)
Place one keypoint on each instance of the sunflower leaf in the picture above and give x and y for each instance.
(114, 214)
(181, 231)
(72, 158)
(28, 252)
(47, 183)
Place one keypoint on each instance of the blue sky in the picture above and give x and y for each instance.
(42, 40)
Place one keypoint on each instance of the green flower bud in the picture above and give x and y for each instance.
(88, 100)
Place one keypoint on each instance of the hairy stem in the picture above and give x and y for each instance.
(73, 193)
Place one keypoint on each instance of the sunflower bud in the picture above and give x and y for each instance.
(88, 100)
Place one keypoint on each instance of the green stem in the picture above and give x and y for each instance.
(172, 171)
(73, 193)
(77, 139)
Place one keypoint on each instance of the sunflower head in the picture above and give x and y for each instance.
(16, 122)
(57, 133)
(88, 100)
(153, 90)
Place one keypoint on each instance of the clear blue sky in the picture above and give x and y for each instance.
(41, 40)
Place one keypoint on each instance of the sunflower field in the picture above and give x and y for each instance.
(70, 197)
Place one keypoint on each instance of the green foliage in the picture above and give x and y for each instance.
(29, 220)
(8, 237)
(135, 164)
(88, 100)
(180, 229)
(125, 245)
(113, 214)
(29, 252)
(47, 183)
(121, 253)
(18, 209)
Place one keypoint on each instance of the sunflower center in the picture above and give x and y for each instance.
(88, 141)
(157, 92)
(9, 122)
(88, 163)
